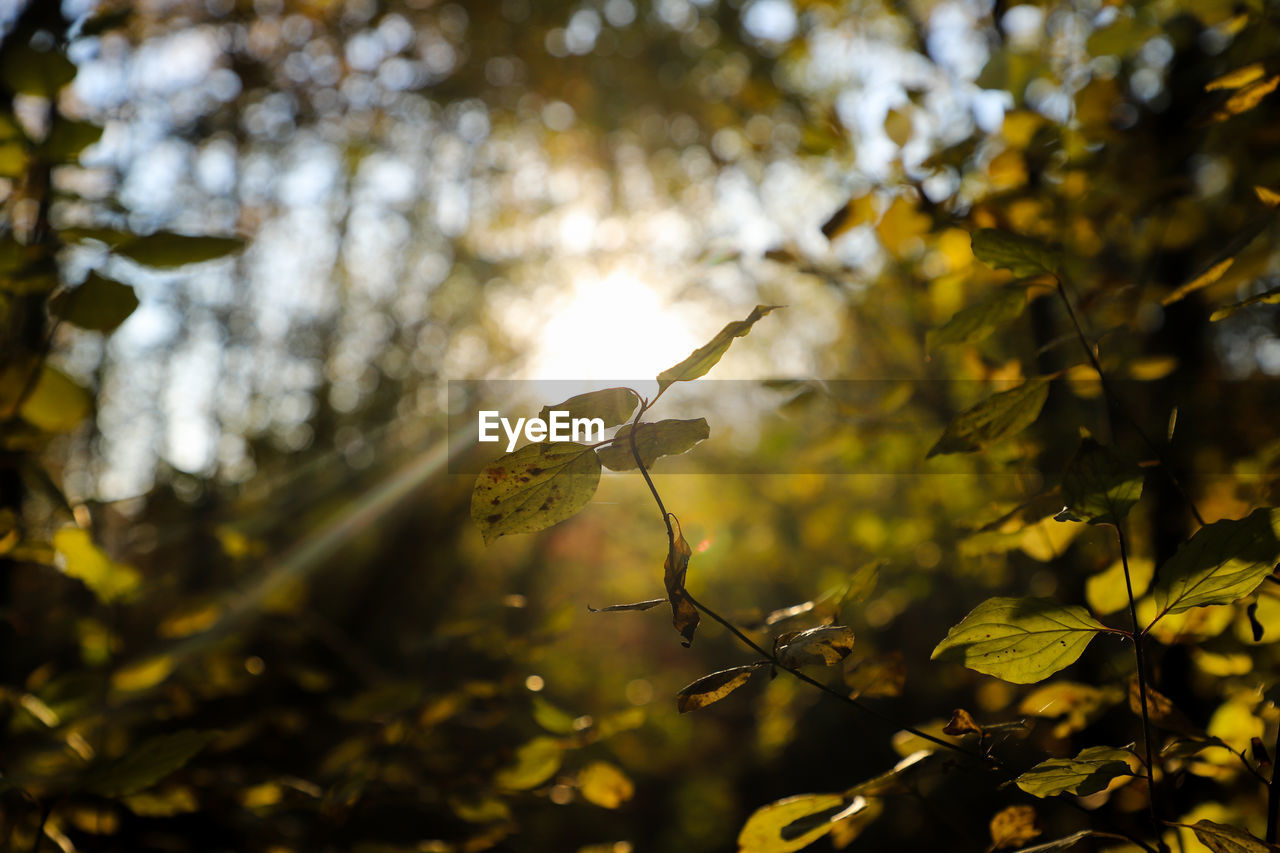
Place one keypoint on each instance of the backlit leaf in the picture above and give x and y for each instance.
(762, 832)
(996, 418)
(704, 358)
(1221, 838)
(36, 72)
(1161, 710)
(1022, 640)
(166, 250)
(1098, 486)
(611, 405)
(1242, 76)
(1088, 773)
(148, 763)
(100, 304)
(535, 762)
(1074, 705)
(712, 688)
(605, 785)
(1023, 256)
(1106, 591)
(827, 645)
(553, 719)
(81, 559)
(1014, 827)
(1267, 196)
(533, 488)
(1268, 297)
(1203, 280)
(1246, 98)
(56, 403)
(1220, 563)
(883, 675)
(653, 441)
(970, 325)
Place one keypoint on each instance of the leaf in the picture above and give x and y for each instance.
(166, 250)
(1203, 280)
(683, 614)
(962, 723)
(1221, 563)
(1221, 838)
(100, 304)
(1022, 640)
(973, 324)
(108, 580)
(553, 719)
(1106, 591)
(1267, 297)
(1088, 773)
(535, 762)
(639, 605)
(1076, 704)
(56, 403)
(533, 488)
(854, 212)
(1246, 98)
(611, 405)
(605, 785)
(1059, 844)
(147, 764)
(825, 645)
(67, 138)
(1235, 79)
(762, 833)
(1269, 197)
(36, 72)
(1099, 487)
(1023, 256)
(1014, 827)
(712, 688)
(704, 358)
(1161, 711)
(848, 825)
(884, 675)
(653, 440)
(996, 418)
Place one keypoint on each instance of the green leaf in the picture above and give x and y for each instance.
(996, 418)
(972, 324)
(110, 581)
(712, 688)
(67, 138)
(1022, 640)
(533, 488)
(535, 762)
(100, 304)
(1088, 773)
(1023, 256)
(612, 405)
(56, 403)
(150, 762)
(551, 718)
(1221, 563)
(36, 72)
(166, 250)
(1221, 838)
(762, 832)
(653, 440)
(827, 645)
(1098, 486)
(704, 358)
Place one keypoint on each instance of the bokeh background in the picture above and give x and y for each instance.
(431, 192)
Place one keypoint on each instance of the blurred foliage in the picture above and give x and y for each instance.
(243, 603)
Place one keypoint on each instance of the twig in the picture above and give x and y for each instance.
(1273, 795)
(1137, 637)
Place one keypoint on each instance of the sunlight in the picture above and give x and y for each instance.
(616, 328)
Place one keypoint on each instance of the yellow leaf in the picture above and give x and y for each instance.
(81, 559)
(535, 762)
(1008, 170)
(1247, 98)
(1235, 79)
(897, 126)
(1203, 280)
(1106, 593)
(56, 403)
(1014, 827)
(1019, 126)
(902, 227)
(605, 785)
(762, 832)
(142, 675)
(1270, 198)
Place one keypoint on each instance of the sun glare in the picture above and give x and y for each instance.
(616, 328)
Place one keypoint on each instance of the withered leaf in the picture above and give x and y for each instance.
(714, 687)
(683, 614)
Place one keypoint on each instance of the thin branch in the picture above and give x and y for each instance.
(1273, 795)
(1142, 674)
(1113, 401)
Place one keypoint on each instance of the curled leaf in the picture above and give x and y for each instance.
(714, 687)
(962, 723)
(683, 614)
(825, 645)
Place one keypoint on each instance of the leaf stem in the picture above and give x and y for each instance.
(1137, 637)
(1273, 795)
(1115, 402)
